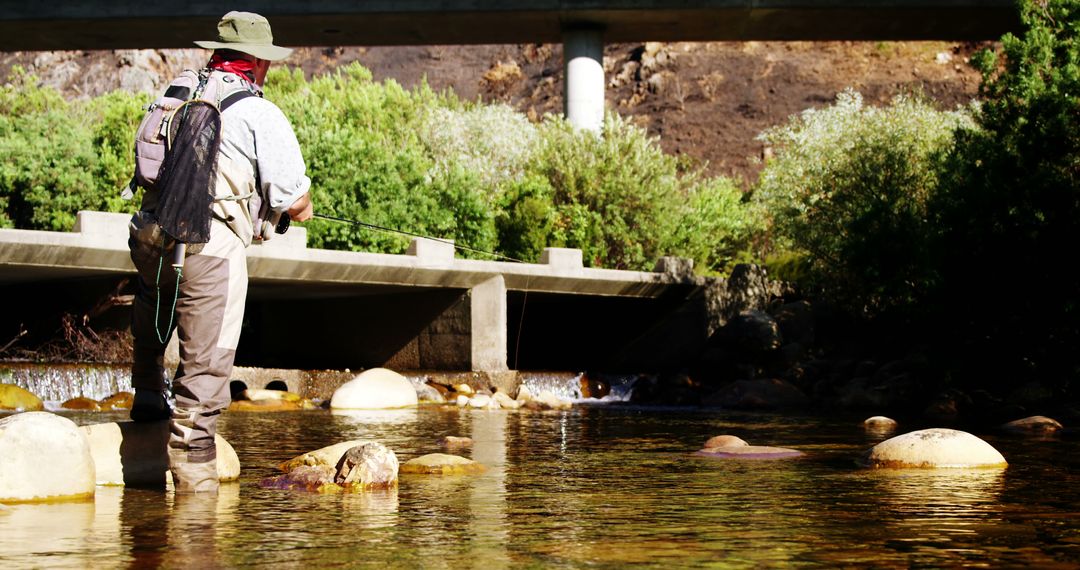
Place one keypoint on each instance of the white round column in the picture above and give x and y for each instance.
(583, 56)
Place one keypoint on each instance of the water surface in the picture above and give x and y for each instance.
(598, 487)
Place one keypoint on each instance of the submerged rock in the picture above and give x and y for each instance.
(42, 457)
(272, 405)
(118, 401)
(263, 394)
(750, 452)
(377, 388)
(82, 403)
(13, 397)
(135, 454)
(1037, 425)
(329, 455)
(879, 422)
(362, 467)
(442, 464)
(934, 448)
(725, 441)
(455, 441)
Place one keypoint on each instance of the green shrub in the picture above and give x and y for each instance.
(625, 203)
(413, 160)
(848, 190)
(59, 157)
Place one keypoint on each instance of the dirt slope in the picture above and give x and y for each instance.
(706, 101)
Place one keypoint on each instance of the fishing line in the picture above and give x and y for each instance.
(411, 234)
(524, 299)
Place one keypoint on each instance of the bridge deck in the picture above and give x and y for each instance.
(72, 24)
(98, 247)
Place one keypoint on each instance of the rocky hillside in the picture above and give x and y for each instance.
(706, 101)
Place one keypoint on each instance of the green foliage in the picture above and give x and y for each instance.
(412, 160)
(367, 163)
(848, 191)
(1010, 209)
(59, 157)
(625, 203)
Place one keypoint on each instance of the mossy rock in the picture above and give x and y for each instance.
(13, 397)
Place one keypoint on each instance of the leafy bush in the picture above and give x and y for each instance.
(59, 157)
(412, 160)
(625, 203)
(849, 189)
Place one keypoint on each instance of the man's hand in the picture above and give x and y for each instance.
(301, 210)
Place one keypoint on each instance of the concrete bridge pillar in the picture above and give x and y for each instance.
(488, 312)
(583, 58)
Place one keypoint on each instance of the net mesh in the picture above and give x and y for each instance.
(186, 180)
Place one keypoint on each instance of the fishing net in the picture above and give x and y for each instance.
(186, 180)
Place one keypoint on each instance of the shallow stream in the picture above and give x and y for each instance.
(599, 486)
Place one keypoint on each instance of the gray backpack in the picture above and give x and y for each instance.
(152, 139)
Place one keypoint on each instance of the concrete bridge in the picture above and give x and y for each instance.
(581, 25)
(311, 308)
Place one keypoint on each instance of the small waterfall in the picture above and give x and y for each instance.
(571, 386)
(60, 382)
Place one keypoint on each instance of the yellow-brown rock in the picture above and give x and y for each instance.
(13, 397)
(118, 401)
(256, 394)
(265, 406)
(442, 464)
(82, 403)
(725, 441)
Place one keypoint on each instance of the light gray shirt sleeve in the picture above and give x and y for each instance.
(280, 165)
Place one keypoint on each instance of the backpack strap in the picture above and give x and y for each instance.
(234, 98)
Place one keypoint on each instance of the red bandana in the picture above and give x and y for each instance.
(241, 67)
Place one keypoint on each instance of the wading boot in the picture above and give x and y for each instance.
(192, 454)
(150, 406)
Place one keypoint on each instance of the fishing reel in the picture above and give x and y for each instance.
(277, 223)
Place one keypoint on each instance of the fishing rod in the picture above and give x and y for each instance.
(524, 299)
(416, 235)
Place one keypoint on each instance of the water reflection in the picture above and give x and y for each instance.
(589, 487)
(67, 534)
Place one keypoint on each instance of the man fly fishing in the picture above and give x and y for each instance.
(218, 163)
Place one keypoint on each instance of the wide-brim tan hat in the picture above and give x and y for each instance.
(248, 33)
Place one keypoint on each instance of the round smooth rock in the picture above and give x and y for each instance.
(82, 403)
(118, 401)
(1039, 425)
(725, 441)
(442, 464)
(375, 389)
(935, 448)
(13, 397)
(127, 453)
(879, 423)
(44, 456)
(480, 401)
(750, 452)
(329, 455)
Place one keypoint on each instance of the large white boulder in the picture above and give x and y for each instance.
(43, 456)
(129, 453)
(374, 389)
(934, 448)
